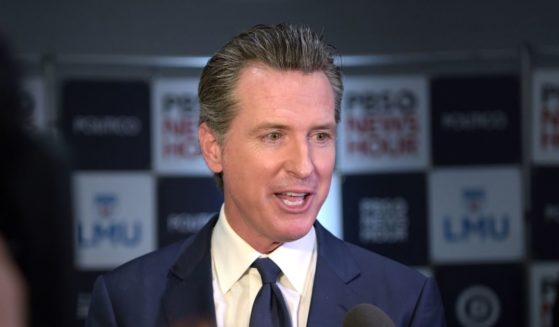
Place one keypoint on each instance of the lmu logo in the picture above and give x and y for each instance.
(473, 199)
(476, 221)
(105, 204)
(107, 227)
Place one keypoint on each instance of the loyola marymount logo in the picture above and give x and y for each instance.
(107, 227)
(114, 218)
(476, 214)
(475, 222)
(105, 204)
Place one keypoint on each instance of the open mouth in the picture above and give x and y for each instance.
(292, 199)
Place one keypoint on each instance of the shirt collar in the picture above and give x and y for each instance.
(294, 259)
(232, 256)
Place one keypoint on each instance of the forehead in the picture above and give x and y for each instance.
(262, 85)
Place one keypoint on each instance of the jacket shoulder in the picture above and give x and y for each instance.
(373, 263)
(149, 269)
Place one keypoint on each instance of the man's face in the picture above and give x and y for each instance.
(278, 156)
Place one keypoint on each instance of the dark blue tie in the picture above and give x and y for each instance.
(269, 307)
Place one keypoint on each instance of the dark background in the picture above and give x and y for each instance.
(198, 27)
(64, 40)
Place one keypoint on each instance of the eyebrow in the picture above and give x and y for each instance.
(278, 126)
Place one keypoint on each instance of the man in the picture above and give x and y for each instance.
(270, 101)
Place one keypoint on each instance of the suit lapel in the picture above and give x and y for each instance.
(188, 298)
(335, 270)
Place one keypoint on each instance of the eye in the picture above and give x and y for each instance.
(322, 137)
(272, 137)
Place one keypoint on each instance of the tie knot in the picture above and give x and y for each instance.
(268, 270)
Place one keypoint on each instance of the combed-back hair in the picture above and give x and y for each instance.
(283, 47)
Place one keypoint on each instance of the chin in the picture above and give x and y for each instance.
(299, 230)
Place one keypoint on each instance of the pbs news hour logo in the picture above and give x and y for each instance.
(549, 117)
(383, 220)
(384, 124)
(546, 116)
(544, 284)
(176, 115)
(548, 296)
(179, 126)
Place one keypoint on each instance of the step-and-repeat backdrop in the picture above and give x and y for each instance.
(430, 172)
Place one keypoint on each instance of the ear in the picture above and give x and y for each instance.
(210, 147)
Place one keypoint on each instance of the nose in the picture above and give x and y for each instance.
(299, 160)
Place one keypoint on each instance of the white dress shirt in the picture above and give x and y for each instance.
(235, 283)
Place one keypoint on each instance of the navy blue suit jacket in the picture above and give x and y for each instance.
(172, 287)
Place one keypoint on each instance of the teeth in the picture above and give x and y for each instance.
(299, 201)
(294, 194)
(293, 199)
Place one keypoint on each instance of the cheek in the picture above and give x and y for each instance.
(263, 163)
(247, 168)
(326, 162)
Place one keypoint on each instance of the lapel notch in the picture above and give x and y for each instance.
(188, 298)
(335, 270)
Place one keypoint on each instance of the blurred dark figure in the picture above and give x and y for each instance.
(13, 309)
(555, 312)
(35, 212)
